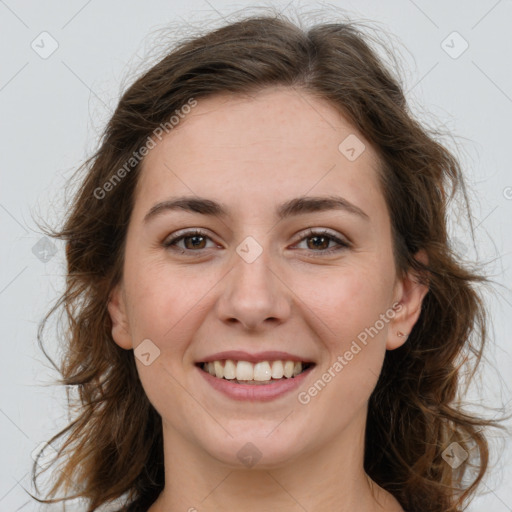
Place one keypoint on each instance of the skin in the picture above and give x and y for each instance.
(252, 154)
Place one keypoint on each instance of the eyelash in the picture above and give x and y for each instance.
(171, 243)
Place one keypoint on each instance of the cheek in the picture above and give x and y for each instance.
(350, 320)
(164, 308)
(163, 300)
(347, 318)
(346, 301)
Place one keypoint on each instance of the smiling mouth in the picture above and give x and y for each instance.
(261, 373)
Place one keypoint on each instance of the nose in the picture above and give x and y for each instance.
(254, 294)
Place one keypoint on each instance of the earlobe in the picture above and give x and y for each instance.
(412, 293)
(117, 311)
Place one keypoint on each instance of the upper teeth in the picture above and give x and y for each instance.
(261, 371)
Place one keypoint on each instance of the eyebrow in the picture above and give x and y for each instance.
(297, 206)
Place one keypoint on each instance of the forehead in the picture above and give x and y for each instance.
(275, 143)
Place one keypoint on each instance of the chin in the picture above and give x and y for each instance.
(254, 448)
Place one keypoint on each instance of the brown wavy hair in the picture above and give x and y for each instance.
(113, 446)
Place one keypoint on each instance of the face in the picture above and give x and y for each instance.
(259, 281)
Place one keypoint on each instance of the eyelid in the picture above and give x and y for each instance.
(185, 233)
(324, 231)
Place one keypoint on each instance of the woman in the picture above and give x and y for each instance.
(265, 313)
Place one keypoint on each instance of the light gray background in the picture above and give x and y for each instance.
(52, 110)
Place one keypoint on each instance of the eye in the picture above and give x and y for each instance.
(194, 239)
(321, 240)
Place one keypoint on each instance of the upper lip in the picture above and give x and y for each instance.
(240, 355)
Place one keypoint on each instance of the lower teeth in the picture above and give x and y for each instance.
(257, 382)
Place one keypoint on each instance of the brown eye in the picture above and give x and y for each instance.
(196, 241)
(317, 241)
(192, 241)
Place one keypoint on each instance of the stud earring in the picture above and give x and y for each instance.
(401, 334)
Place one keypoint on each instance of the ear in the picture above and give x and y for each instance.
(117, 310)
(409, 296)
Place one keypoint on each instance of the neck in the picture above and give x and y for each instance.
(326, 477)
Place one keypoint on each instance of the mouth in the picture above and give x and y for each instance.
(259, 373)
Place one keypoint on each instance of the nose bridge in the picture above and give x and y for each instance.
(253, 293)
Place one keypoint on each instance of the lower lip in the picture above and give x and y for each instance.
(255, 392)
